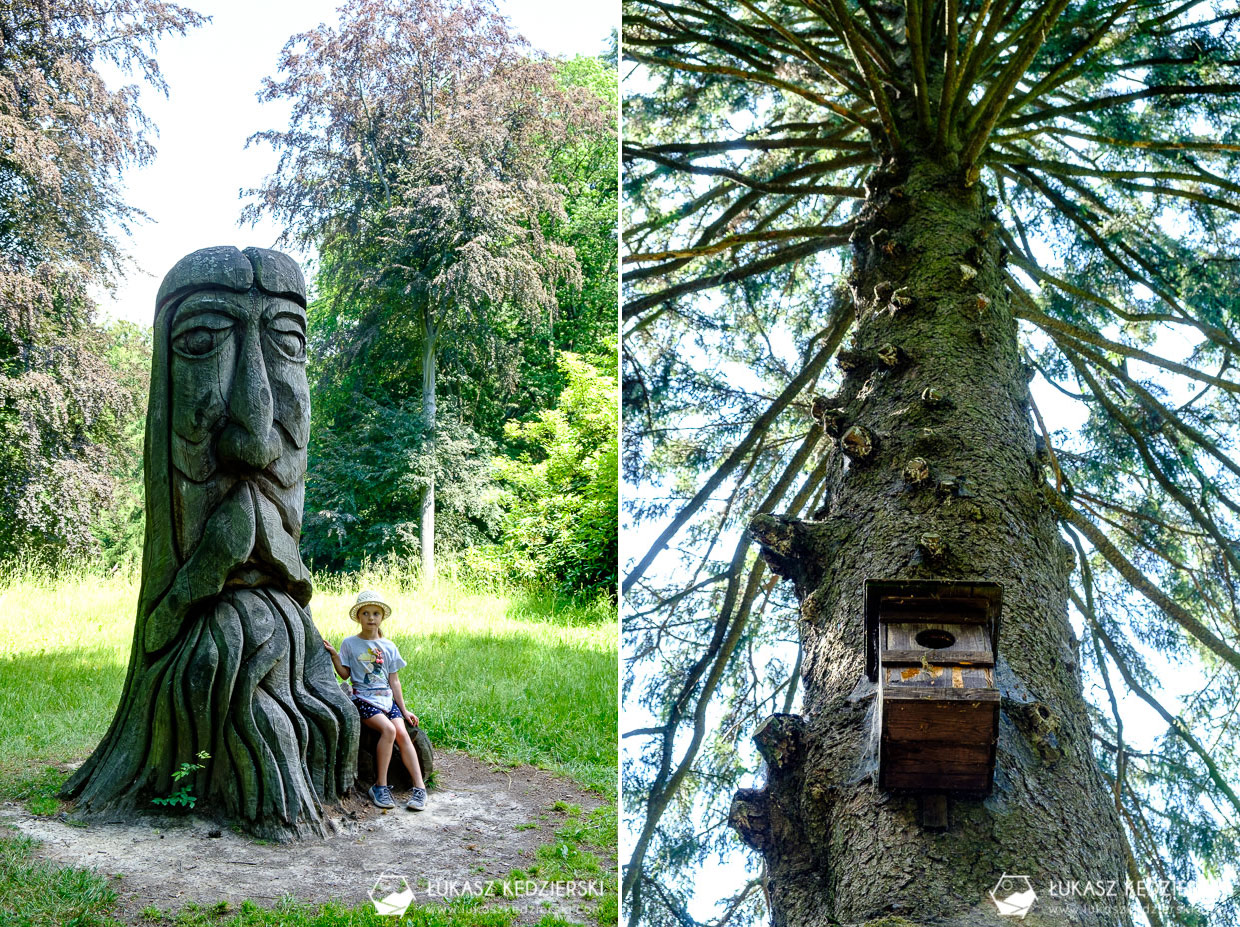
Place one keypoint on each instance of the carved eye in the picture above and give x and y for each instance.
(287, 335)
(199, 341)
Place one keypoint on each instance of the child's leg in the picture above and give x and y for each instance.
(383, 753)
(409, 755)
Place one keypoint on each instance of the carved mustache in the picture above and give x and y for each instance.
(246, 527)
(230, 448)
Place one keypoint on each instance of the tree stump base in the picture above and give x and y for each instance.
(398, 776)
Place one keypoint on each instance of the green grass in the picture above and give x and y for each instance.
(38, 895)
(509, 676)
(291, 913)
(572, 858)
(34, 893)
(514, 677)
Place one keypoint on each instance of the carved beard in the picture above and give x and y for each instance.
(227, 663)
(240, 421)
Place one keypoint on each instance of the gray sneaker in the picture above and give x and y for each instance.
(417, 800)
(381, 795)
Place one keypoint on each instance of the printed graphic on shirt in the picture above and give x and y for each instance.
(372, 661)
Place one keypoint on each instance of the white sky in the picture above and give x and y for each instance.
(191, 190)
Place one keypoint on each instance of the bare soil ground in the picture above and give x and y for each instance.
(476, 827)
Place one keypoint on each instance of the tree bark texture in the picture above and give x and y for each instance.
(429, 415)
(934, 372)
(227, 669)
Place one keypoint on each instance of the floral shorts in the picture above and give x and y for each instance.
(367, 710)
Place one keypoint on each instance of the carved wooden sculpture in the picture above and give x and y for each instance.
(226, 659)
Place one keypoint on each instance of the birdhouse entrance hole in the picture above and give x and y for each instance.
(935, 638)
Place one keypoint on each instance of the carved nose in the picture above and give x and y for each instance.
(249, 437)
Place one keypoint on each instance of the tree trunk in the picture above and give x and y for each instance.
(250, 685)
(227, 671)
(934, 372)
(428, 416)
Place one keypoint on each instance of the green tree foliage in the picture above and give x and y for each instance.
(585, 167)
(1108, 137)
(120, 525)
(64, 139)
(461, 192)
(560, 523)
(368, 472)
(417, 161)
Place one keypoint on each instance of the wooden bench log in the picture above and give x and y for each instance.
(398, 777)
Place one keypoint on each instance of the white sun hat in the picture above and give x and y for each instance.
(370, 597)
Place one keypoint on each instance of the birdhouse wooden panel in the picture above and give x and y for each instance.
(931, 647)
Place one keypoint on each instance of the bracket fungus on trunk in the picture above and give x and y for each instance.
(917, 471)
(857, 443)
(832, 420)
(902, 298)
(931, 548)
(891, 356)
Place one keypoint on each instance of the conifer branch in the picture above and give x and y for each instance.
(919, 52)
(1030, 313)
(842, 320)
(1121, 99)
(631, 152)
(1175, 723)
(837, 70)
(728, 630)
(1063, 71)
(757, 77)
(1154, 468)
(735, 241)
(762, 265)
(1138, 580)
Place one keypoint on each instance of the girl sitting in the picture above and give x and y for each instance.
(371, 662)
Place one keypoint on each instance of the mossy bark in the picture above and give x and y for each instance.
(935, 373)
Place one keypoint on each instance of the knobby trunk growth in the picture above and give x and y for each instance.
(825, 829)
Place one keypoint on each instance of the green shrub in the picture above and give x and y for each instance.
(561, 517)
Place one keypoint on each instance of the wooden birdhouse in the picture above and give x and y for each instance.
(931, 647)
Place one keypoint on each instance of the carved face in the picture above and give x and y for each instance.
(240, 404)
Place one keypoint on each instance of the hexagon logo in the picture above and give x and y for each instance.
(398, 895)
(1017, 894)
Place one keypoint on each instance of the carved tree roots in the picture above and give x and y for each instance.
(250, 684)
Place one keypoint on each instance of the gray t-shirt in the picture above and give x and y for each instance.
(369, 663)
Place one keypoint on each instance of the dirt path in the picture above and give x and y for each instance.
(468, 834)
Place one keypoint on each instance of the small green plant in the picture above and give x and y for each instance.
(565, 861)
(182, 795)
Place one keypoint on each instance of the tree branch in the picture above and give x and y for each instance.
(1138, 581)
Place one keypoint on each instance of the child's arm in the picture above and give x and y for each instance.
(399, 699)
(341, 670)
